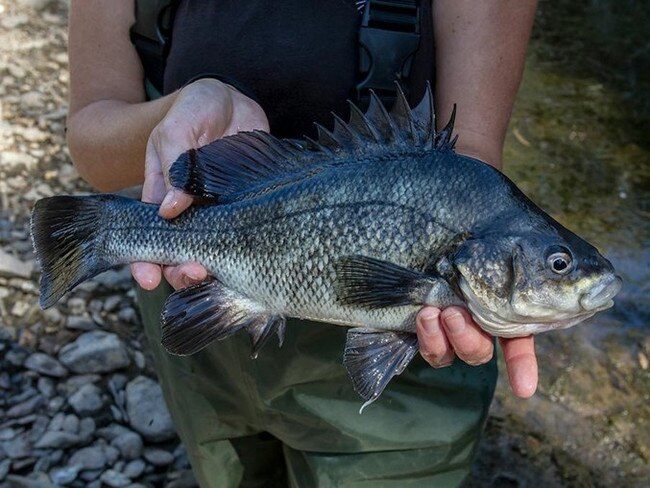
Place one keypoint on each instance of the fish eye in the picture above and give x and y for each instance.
(559, 259)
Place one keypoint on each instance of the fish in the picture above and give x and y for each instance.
(359, 227)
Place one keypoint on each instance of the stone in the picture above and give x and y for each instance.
(112, 431)
(115, 479)
(16, 448)
(86, 428)
(11, 266)
(46, 387)
(73, 383)
(57, 422)
(4, 468)
(92, 475)
(55, 404)
(129, 444)
(134, 469)
(90, 458)
(57, 439)
(27, 407)
(71, 424)
(112, 303)
(95, 352)
(79, 322)
(158, 457)
(44, 364)
(42, 464)
(65, 476)
(40, 480)
(148, 413)
(86, 400)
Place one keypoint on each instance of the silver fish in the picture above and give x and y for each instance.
(359, 228)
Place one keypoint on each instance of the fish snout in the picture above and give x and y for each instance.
(602, 293)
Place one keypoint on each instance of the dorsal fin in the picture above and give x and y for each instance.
(248, 162)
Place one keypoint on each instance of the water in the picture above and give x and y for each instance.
(579, 146)
(579, 141)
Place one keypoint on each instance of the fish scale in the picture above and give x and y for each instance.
(360, 229)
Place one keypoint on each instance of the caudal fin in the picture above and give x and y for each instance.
(65, 230)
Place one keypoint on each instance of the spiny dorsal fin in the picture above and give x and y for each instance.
(249, 162)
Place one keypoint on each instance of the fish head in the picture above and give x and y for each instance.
(520, 285)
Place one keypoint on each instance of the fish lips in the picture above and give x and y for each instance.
(600, 296)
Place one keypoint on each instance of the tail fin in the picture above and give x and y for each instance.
(64, 233)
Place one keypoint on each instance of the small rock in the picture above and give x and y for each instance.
(16, 357)
(65, 476)
(32, 99)
(139, 359)
(158, 457)
(76, 305)
(71, 424)
(148, 413)
(91, 476)
(90, 458)
(11, 266)
(115, 479)
(79, 322)
(86, 400)
(111, 303)
(95, 352)
(4, 468)
(13, 21)
(57, 422)
(73, 383)
(16, 448)
(44, 364)
(52, 315)
(56, 440)
(8, 433)
(40, 480)
(134, 469)
(55, 404)
(112, 431)
(46, 387)
(86, 428)
(42, 465)
(129, 444)
(25, 408)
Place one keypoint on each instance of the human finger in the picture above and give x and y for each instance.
(146, 274)
(434, 346)
(470, 342)
(184, 275)
(521, 363)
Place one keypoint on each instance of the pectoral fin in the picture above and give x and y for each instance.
(372, 357)
(195, 316)
(372, 283)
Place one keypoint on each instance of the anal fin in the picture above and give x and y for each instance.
(194, 317)
(373, 357)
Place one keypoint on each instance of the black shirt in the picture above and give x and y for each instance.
(298, 57)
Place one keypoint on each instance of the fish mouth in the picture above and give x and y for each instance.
(600, 296)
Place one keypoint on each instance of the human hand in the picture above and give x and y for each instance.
(452, 332)
(202, 112)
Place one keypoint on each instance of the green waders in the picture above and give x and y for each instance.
(243, 420)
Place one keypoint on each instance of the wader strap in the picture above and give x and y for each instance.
(389, 35)
(151, 35)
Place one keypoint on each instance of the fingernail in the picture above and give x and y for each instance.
(170, 200)
(446, 364)
(429, 318)
(454, 322)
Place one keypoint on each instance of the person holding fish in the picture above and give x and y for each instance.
(290, 416)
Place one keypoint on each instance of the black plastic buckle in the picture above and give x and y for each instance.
(389, 36)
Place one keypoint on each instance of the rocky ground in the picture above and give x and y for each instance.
(79, 405)
(73, 379)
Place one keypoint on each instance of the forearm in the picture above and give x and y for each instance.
(480, 54)
(107, 140)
